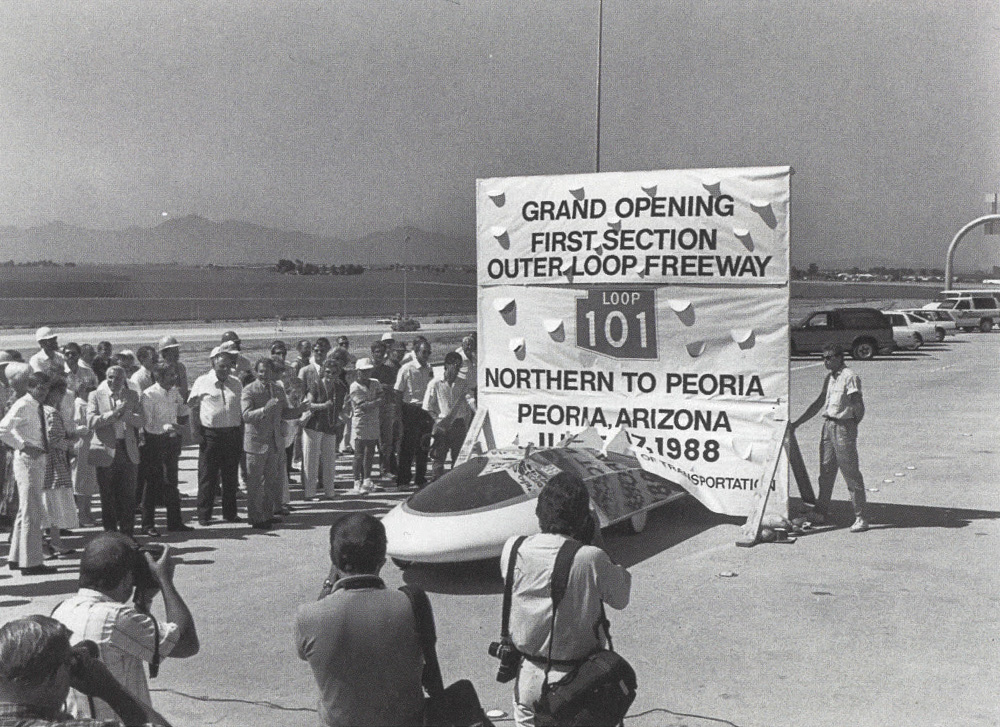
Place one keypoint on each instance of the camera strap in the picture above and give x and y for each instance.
(424, 618)
(508, 588)
(154, 665)
(557, 588)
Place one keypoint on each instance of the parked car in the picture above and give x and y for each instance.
(944, 322)
(909, 331)
(973, 311)
(864, 332)
(405, 323)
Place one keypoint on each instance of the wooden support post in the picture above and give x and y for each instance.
(751, 529)
(480, 424)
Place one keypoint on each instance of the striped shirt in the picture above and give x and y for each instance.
(125, 637)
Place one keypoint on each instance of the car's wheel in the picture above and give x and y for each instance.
(938, 334)
(401, 564)
(637, 523)
(919, 339)
(863, 350)
(986, 325)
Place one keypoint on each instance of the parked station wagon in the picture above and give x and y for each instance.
(864, 332)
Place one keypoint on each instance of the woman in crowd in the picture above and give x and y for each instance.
(84, 473)
(57, 490)
(323, 403)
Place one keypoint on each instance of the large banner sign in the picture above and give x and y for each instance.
(654, 301)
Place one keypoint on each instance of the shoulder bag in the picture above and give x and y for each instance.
(600, 690)
(457, 705)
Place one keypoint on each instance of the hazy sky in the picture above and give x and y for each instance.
(341, 118)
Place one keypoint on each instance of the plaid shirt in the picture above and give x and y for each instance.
(23, 715)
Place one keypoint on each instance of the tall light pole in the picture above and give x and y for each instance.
(600, 47)
(406, 254)
(954, 243)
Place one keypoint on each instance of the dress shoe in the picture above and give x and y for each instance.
(151, 532)
(261, 526)
(205, 523)
(38, 570)
(182, 528)
(13, 566)
(234, 519)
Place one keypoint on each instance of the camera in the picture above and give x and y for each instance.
(142, 577)
(510, 659)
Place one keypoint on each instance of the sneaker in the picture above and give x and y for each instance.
(368, 485)
(860, 525)
(358, 489)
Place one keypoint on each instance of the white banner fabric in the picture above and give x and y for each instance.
(693, 363)
(719, 226)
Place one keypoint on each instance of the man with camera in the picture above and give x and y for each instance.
(37, 669)
(360, 638)
(112, 571)
(563, 511)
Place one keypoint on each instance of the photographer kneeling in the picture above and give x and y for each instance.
(37, 669)
(113, 570)
(563, 512)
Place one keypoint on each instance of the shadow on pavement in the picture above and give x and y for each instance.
(36, 586)
(477, 577)
(667, 526)
(887, 516)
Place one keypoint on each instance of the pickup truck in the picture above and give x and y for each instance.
(864, 332)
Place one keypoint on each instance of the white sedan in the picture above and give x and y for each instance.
(908, 330)
(943, 321)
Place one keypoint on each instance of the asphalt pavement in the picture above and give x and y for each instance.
(896, 626)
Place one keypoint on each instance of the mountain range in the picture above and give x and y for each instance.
(194, 240)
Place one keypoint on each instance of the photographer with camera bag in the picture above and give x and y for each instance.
(552, 636)
(113, 569)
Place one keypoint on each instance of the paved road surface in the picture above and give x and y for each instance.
(897, 626)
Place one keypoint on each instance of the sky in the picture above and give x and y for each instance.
(344, 117)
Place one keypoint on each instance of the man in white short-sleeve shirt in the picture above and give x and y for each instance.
(127, 636)
(843, 408)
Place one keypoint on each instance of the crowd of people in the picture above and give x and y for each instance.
(80, 422)
(370, 648)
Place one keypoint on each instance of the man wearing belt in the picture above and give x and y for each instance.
(843, 409)
(23, 430)
(216, 419)
(411, 385)
(162, 405)
(114, 415)
(563, 510)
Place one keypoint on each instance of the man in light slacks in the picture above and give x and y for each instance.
(843, 409)
(23, 430)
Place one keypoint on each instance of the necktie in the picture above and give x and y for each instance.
(45, 434)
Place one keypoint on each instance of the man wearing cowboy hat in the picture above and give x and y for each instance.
(216, 417)
(48, 359)
(170, 351)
